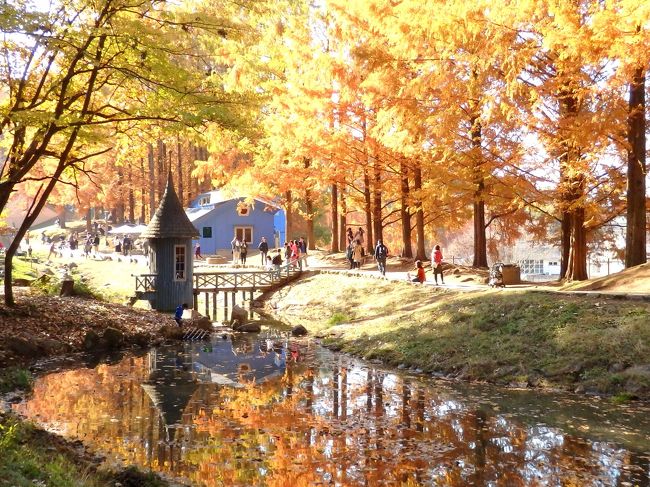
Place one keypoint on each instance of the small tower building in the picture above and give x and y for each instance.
(171, 259)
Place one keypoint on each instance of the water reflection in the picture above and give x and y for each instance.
(274, 412)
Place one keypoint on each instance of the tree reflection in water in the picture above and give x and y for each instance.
(277, 413)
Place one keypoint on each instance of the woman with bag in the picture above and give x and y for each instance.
(436, 264)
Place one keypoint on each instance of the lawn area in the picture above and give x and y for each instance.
(32, 457)
(503, 336)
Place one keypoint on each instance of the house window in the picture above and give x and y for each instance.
(244, 234)
(552, 263)
(205, 200)
(243, 210)
(179, 262)
(531, 266)
(207, 232)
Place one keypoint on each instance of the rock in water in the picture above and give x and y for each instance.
(299, 331)
(202, 323)
(239, 314)
(251, 327)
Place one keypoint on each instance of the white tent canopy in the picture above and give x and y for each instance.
(128, 230)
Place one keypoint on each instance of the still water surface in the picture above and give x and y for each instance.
(268, 410)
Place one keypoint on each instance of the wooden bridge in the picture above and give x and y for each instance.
(210, 284)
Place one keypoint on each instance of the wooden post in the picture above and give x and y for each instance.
(225, 305)
(233, 296)
(207, 305)
(214, 306)
(196, 301)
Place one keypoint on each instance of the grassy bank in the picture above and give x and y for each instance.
(31, 456)
(509, 337)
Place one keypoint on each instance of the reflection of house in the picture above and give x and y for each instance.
(243, 359)
(170, 386)
(173, 377)
(220, 218)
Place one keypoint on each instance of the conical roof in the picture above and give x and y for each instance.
(170, 220)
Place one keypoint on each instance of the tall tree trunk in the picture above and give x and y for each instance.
(367, 207)
(288, 215)
(309, 207)
(335, 218)
(143, 193)
(480, 240)
(30, 217)
(89, 223)
(62, 217)
(565, 242)
(197, 186)
(572, 190)
(152, 182)
(119, 204)
(131, 194)
(635, 241)
(376, 205)
(420, 253)
(179, 171)
(407, 248)
(577, 265)
(343, 242)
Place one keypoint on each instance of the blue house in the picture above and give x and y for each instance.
(220, 217)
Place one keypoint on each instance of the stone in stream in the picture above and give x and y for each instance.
(239, 314)
(202, 323)
(299, 331)
(250, 327)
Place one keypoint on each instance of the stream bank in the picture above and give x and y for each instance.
(514, 338)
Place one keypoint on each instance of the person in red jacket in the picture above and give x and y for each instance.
(420, 276)
(436, 264)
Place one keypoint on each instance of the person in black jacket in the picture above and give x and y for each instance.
(381, 252)
(263, 247)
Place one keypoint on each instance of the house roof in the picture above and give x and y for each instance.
(195, 213)
(170, 220)
(218, 196)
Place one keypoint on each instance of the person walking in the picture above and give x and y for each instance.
(197, 251)
(436, 264)
(420, 276)
(236, 247)
(357, 254)
(381, 252)
(263, 247)
(243, 252)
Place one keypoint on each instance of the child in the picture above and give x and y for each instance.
(178, 316)
(420, 276)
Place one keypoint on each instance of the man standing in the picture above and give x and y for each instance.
(263, 247)
(302, 246)
(381, 252)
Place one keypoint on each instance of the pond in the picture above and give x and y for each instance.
(266, 409)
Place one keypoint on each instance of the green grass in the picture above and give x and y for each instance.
(29, 457)
(13, 378)
(511, 336)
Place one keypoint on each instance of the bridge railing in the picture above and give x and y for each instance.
(224, 280)
(145, 282)
(238, 279)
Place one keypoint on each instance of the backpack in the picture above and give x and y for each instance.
(382, 252)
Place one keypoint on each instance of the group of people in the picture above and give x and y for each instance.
(436, 265)
(295, 252)
(355, 254)
(239, 249)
